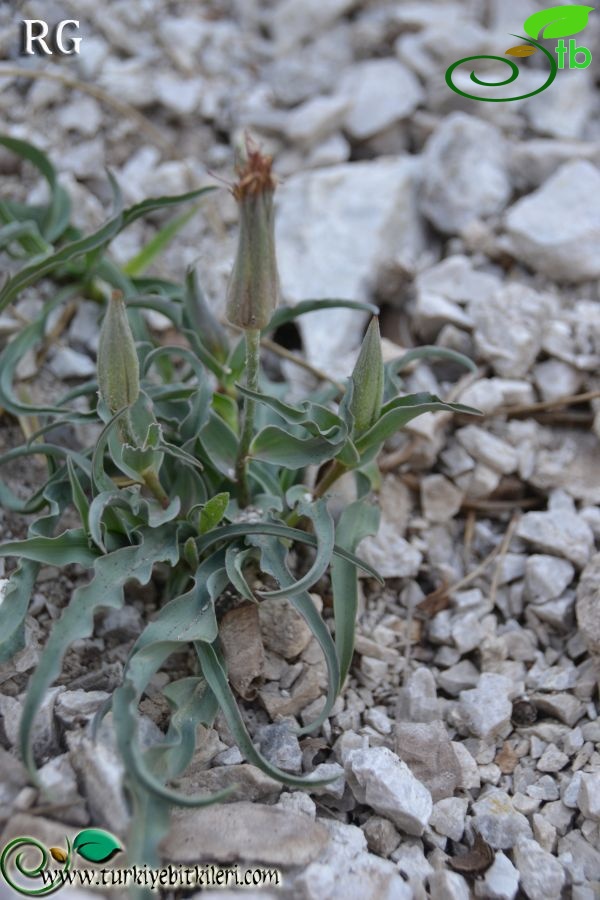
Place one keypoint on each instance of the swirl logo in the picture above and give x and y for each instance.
(556, 22)
(92, 844)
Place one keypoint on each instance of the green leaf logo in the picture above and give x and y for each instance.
(96, 845)
(558, 21)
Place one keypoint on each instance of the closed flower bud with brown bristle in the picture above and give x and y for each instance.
(118, 366)
(253, 291)
(367, 379)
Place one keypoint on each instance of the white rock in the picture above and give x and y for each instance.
(356, 219)
(542, 876)
(330, 152)
(588, 604)
(180, 95)
(381, 92)
(488, 449)
(448, 817)
(469, 771)
(316, 119)
(533, 162)
(486, 710)
(439, 498)
(445, 885)
(552, 759)
(455, 279)
(292, 22)
(560, 532)
(432, 312)
(460, 677)
(489, 394)
(347, 868)
(386, 784)
(474, 152)
(555, 379)
(562, 247)
(500, 882)
(588, 798)
(546, 577)
(509, 328)
(68, 363)
(388, 550)
(83, 115)
(498, 822)
(566, 112)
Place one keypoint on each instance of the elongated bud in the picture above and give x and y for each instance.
(368, 381)
(253, 291)
(118, 366)
(202, 319)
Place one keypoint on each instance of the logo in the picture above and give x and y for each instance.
(547, 24)
(92, 844)
(35, 32)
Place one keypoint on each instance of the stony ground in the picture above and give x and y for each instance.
(470, 721)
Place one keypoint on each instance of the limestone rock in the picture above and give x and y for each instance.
(559, 246)
(474, 152)
(386, 784)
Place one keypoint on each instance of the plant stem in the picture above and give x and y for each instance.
(153, 484)
(335, 470)
(252, 371)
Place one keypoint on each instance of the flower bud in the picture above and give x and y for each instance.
(367, 378)
(118, 366)
(253, 290)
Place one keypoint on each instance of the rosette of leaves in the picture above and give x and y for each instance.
(161, 487)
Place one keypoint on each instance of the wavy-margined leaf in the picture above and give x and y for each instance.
(76, 622)
(358, 520)
(14, 351)
(278, 447)
(90, 244)
(317, 419)
(217, 681)
(32, 273)
(276, 529)
(286, 314)
(18, 592)
(273, 562)
(56, 214)
(324, 531)
(54, 454)
(188, 617)
(397, 413)
(557, 21)
(70, 547)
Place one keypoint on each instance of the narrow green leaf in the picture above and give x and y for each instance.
(286, 314)
(324, 531)
(219, 685)
(357, 521)
(138, 264)
(230, 532)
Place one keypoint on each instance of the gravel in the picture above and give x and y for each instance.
(471, 705)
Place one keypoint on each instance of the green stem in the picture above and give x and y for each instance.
(153, 484)
(334, 471)
(252, 371)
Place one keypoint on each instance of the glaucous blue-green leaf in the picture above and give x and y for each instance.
(357, 521)
(110, 572)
